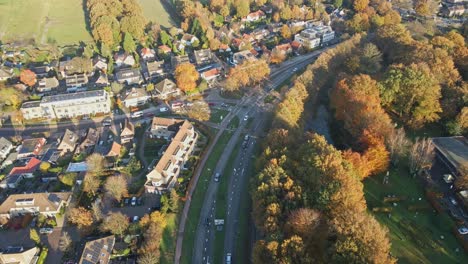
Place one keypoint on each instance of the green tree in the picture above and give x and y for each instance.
(128, 43)
(68, 178)
(174, 201)
(34, 236)
(115, 223)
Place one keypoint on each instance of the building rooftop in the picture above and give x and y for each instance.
(98, 251)
(454, 149)
(73, 96)
(46, 202)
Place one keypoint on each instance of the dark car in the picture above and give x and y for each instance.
(139, 201)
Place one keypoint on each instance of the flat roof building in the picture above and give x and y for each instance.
(453, 152)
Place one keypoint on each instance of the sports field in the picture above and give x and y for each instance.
(62, 21)
(160, 11)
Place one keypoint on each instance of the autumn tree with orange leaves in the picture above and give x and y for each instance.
(28, 77)
(186, 76)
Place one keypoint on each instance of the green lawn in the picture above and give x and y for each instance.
(156, 11)
(415, 234)
(168, 241)
(199, 196)
(43, 20)
(218, 115)
(221, 201)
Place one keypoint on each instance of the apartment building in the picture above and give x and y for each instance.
(314, 37)
(68, 105)
(183, 138)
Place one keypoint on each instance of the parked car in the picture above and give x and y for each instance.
(135, 219)
(126, 201)
(228, 258)
(216, 177)
(139, 201)
(133, 201)
(453, 201)
(46, 230)
(463, 230)
(246, 117)
(136, 114)
(163, 109)
(107, 121)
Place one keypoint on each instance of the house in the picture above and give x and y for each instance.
(5, 147)
(284, 48)
(183, 138)
(68, 142)
(210, 75)
(164, 49)
(46, 85)
(255, 16)
(155, 70)
(89, 142)
(203, 57)
(68, 105)
(275, 27)
(260, 34)
(128, 132)
(177, 60)
(325, 33)
(102, 80)
(98, 251)
(40, 71)
(189, 39)
(224, 48)
(19, 255)
(147, 54)
(114, 151)
(295, 45)
(166, 89)
(135, 97)
(31, 147)
(238, 43)
(124, 60)
(5, 74)
(242, 56)
(129, 76)
(453, 10)
(18, 173)
(75, 81)
(100, 64)
(47, 204)
(9, 160)
(308, 38)
(69, 66)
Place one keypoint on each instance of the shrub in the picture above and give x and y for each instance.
(43, 255)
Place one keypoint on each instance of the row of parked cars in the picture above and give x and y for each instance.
(134, 201)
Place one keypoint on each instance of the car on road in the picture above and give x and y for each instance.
(228, 258)
(463, 230)
(246, 117)
(246, 138)
(107, 121)
(46, 230)
(295, 69)
(136, 114)
(216, 177)
(135, 219)
(163, 109)
(133, 201)
(453, 201)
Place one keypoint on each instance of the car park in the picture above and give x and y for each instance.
(216, 177)
(133, 201)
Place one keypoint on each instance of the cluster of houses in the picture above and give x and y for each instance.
(454, 8)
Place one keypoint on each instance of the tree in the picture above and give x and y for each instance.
(286, 32)
(286, 13)
(68, 178)
(44, 167)
(242, 7)
(370, 59)
(199, 111)
(128, 43)
(150, 87)
(421, 155)
(97, 212)
(174, 201)
(11, 98)
(34, 236)
(186, 76)
(360, 5)
(397, 145)
(95, 163)
(28, 77)
(337, 3)
(115, 223)
(65, 242)
(80, 65)
(461, 182)
(116, 87)
(81, 217)
(277, 56)
(116, 187)
(424, 7)
(91, 183)
(149, 258)
(303, 221)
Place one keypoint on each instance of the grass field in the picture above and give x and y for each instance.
(417, 236)
(217, 114)
(199, 196)
(168, 241)
(156, 11)
(62, 21)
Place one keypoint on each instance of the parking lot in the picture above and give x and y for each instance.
(149, 202)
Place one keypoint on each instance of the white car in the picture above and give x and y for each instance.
(46, 230)
(228, 258)
(453, 201)
(133, 201)
(163, 109)
(246, 117)
(463, 230)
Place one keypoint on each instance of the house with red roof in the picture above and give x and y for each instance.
(210, 74)
(147, 54)
(164, 49)
(18, 173)
(255, 16)
(284, 48)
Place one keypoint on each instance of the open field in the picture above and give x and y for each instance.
(418, 234)
(169, 239)
(199, 196)
(156, 11)
(44, 21)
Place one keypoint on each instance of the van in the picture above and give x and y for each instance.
(136, 114)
